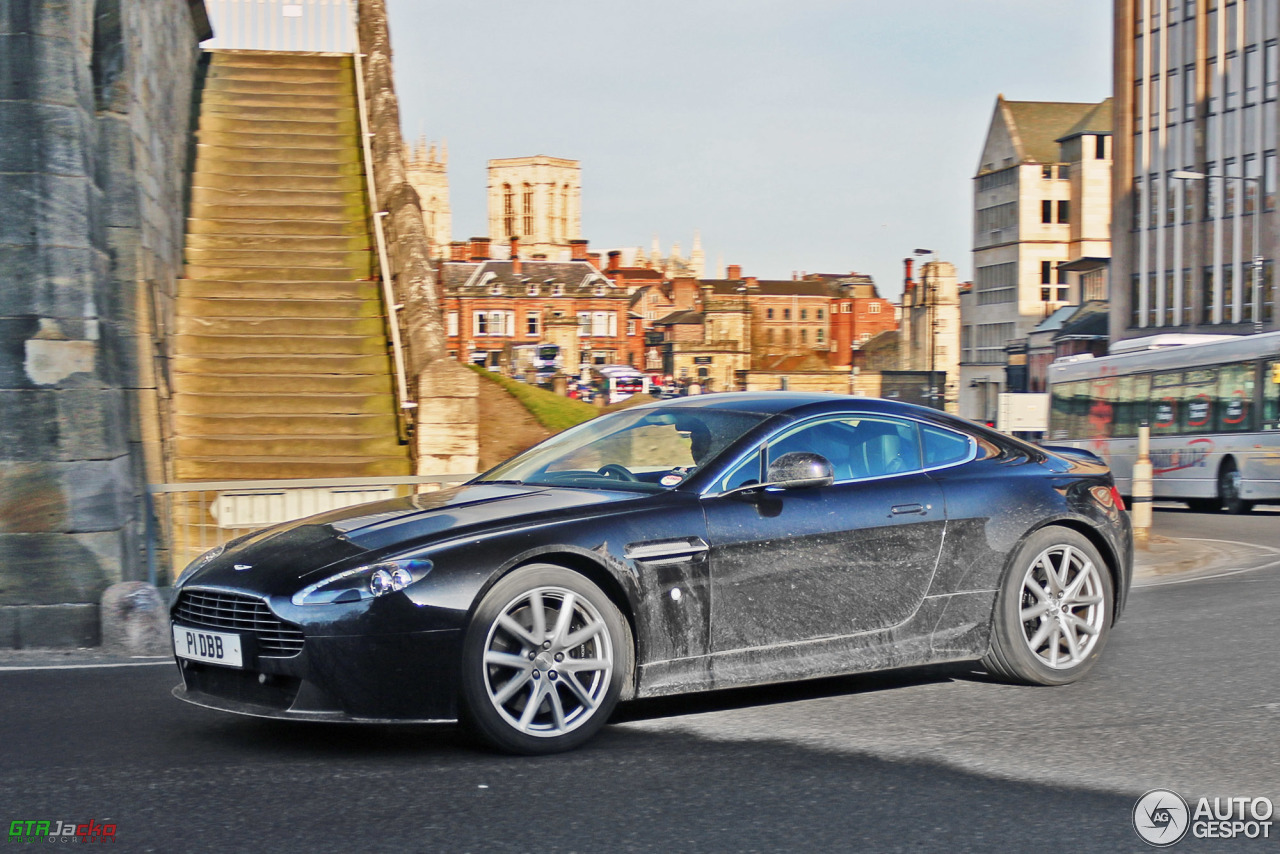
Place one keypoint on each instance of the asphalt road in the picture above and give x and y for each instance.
(929, 760)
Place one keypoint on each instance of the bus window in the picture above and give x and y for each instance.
(1199, 387)
(1100, 408)
(1271, 395)
(1060, 422)
(1235, 398)
(1131, 409)
(1166, 402)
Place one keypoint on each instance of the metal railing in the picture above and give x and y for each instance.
(195, 517)
(323, 26)
(380, 239)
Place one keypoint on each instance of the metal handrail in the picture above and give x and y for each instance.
(384, 265)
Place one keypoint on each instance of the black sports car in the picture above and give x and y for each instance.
(686, 545)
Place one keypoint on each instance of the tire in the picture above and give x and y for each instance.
(1037, 640)
(511, 659)
(1229, 490)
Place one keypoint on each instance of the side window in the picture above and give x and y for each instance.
(942, 447)
(744, 473)
(856, 447)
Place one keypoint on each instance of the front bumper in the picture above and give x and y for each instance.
(405, 677)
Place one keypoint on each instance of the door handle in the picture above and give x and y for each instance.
(905, 509)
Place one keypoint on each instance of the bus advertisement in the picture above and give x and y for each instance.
(1213, 409)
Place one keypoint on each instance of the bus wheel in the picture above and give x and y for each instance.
(1229, 489)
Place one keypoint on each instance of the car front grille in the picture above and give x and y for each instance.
(236, 612)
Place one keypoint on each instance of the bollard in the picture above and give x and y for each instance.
(1140, 500)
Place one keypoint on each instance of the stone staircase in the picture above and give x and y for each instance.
(279, 362)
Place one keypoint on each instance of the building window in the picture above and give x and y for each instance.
(453, 323)
(804, 336)
(584, 324)
(804, 314)
(786, 314)
(846, 307)
(1099, 147)
(557, 290)
(1046, 172)
(1046, 272)
(508, 210)
(768, 313)
(533, 289)
(631, 327)
(874, 308)
(528, 210)
(820, 336)
(1064, 211)
(820, 314)
(531, 323)
(1046, 211)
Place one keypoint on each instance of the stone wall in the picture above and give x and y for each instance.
(95, 107)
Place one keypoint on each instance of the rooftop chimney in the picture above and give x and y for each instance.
(735, 272)
(752, 282)
(909, 262)
(594, 258)
(577, 250)
(517, 266)
(458, 250)
(479, 249)
(615, 260)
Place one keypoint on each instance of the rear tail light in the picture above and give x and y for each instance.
(1115, 496)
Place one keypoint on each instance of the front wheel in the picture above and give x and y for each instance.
(544, 661)
(1053, 610)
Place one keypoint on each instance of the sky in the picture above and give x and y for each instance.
(795, 135)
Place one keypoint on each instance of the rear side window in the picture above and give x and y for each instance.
(942, 447)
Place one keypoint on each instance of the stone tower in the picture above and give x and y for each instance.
(427, 170)
(539, 200)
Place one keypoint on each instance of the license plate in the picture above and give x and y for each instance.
(202, 645)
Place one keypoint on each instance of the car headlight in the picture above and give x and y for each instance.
(199, 563)
(364, 582)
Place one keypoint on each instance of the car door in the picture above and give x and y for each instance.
(858, 555)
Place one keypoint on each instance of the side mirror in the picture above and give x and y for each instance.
(799, 470)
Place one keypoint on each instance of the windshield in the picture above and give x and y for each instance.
(643, 449)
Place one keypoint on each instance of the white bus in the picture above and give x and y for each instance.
(1213, 409)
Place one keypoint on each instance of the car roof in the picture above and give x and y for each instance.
(798, 402)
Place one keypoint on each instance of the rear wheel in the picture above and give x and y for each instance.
(1053, 610)
(1229, 489)
(544, 661)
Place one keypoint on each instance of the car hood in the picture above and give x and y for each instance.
(275, 559)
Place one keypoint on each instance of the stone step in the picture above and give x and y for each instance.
(360, 261)
(291, 196)
(254, 183)
(256, 468)
(228, 159)
(219, 71)
(336, 90)
(355, 291)
(316, 213)
(223, 100)
(353, 403)
(283, 363)
(276, 327)
(279, 242)
(280, 228)
(191, 344)
(244, 58)
(222, 108)
(368, 426)
(275, 274)
(284, 385)
(288, 446)
(262, 123)
(278, 142)
(250, 307)
(212, 164)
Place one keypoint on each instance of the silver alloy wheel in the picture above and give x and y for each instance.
(1062, 607)
(548, 661)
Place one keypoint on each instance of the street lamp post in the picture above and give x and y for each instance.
(1188, 175)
